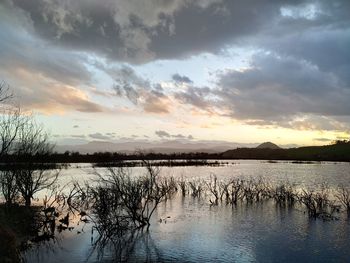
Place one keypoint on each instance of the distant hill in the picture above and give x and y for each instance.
(164, 147)
(334, 152)
(268, 145)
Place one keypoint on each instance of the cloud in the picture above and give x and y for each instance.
(151, 97)
(76, 126)
(181, 79)
(115, 29)
(276, 90)
(195, 96)
(81, 136)
(136, 32)
(164, 134)
(36, 92)
(71, 141)
(43, 77)
(100, 136)
(297, 78)
(276, 87)
(324, 46)
(20, 48)
(323, 139)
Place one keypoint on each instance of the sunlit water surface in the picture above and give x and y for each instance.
(193, 231)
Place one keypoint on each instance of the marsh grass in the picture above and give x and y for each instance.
(317, 204)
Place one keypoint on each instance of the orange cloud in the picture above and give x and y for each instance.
(38, 93)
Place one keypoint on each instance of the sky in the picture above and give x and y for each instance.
(205, 70)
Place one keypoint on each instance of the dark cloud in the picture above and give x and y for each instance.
(19, 49)
(212, 29)
(43, 77)
(137, 32)
(195, 96)
(181, 79)
(100, 136)
(277, 86)
(151, 97)
(115, 29)
(326, 48)
(323, 139)
(81, 136)
(179, 136)
(164, 134)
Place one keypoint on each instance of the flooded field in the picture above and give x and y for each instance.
(187, 228)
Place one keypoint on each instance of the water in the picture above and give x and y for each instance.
(310, 175)
(193, 231)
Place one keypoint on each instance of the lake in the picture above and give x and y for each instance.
(187, 229)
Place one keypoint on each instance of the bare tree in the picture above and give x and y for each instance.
(11, 123)
(25, 140)
(343, 195)
(32, 176)
(5, 92)
(8, 186)
(10, 120)
(30, 181)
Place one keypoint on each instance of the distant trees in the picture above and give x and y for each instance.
(342, 142)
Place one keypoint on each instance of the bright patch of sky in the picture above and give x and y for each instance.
(307, 11)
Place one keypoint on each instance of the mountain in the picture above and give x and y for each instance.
(334, 152)
(165, 147)
(268, 145)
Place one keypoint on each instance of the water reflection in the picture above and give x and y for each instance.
(25, 228)
(189, 229)
(193, 231)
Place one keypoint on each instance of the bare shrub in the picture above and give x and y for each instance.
(318, 203)
(343, 196)
(284, 194)
(130, 201)
(183, 186)
(235, 190)
(212, 186)
(196, 188)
